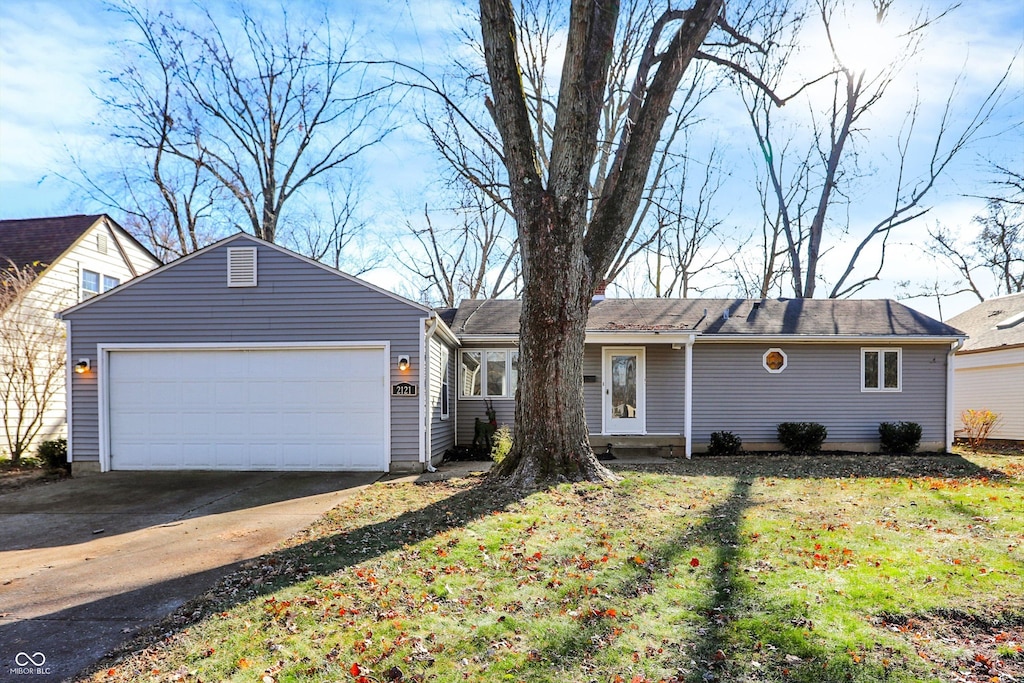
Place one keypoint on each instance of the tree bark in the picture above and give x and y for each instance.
(562, 252)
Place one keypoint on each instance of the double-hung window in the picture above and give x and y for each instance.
(489, 373)
(445, 414)
(881, 369)
(90, 284)
(92, 281)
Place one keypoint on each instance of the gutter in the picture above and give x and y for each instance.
(953, 348)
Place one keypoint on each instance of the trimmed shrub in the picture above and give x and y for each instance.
(54, 454)
(724, 443)
(900, 438)
(501, 443)
(801, 437)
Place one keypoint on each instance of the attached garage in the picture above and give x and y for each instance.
(271, 408)
(247, 356)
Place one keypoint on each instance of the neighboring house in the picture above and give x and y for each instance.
(74, 258)
(669, 372)
(246, 356)
(990, 367)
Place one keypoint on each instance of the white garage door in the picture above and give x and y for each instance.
(264, 409)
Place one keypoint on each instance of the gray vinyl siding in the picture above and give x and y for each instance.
(821, 383)
(295, 301)
(471, 408)
(442, 432)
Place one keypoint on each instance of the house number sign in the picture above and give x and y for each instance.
(403, 389)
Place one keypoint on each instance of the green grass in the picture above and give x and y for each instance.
(835, 568)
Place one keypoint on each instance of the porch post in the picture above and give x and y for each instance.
(688, 404)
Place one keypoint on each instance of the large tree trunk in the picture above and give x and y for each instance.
(551, 440)
(562, 252)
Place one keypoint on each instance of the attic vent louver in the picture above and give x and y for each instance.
(101, 243)
(241, 266)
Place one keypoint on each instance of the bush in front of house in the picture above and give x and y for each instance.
(977, 426)
(899, 438)
(54, 454)
(501, 443)
(724, 443)
(801, 437)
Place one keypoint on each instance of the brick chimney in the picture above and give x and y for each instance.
(599, 292)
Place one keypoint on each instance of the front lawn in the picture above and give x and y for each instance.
(827, 568)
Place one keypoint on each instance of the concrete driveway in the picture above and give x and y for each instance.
(86, 562)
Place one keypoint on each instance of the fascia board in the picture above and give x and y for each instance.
(822, 339)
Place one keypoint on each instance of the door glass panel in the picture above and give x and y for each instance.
(624, 387)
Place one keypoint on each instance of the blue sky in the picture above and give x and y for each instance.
(53, 54)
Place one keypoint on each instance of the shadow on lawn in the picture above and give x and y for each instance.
(818, 466)
(269, 573)
(730, 592)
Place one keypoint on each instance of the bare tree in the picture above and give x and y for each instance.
(475, 257)
(235, 119)
(689, 240)
(817, 183)
(997, 248)
(333, 231)
(471, 149)
(567, 239)
(32, 355)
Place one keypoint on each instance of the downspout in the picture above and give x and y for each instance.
(956, 346)
(688, 405)
(425, 367)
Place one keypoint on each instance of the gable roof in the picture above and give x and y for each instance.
(256, 241)
(993, 324)
(722, 318)
(41, 240)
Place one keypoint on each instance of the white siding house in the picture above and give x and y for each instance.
(989, 369)
(76, 257)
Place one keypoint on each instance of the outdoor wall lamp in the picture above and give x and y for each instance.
(403, 363)
(82, 366)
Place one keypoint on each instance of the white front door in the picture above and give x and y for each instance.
(623, 400)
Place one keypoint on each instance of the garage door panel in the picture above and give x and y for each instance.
(321, 409)
(196, 456)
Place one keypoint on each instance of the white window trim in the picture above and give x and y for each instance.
(100, 277)
(82, 270)
(881, 388)
(785, 360)
(509, 389)
(446, 385)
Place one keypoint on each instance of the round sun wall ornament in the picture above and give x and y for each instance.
(774, 360)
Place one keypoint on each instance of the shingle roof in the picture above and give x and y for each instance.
(755, 317)
(43, 240)
(991, 324)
